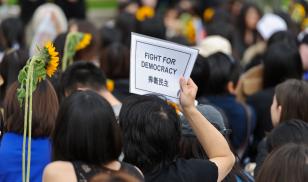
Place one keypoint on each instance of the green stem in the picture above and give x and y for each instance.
(30, 123)
(65, 53)
(25, 131)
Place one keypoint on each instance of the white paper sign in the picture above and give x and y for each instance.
(156, 66)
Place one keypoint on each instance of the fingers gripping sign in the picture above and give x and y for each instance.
(188, 92)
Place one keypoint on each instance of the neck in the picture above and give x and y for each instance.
(110, 98)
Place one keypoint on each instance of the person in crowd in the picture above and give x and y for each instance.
(13, 61)
(86, 76)
(12, 34)
(288, 101)
(247, 22)
(86, 140)
(45, 107)
(281, 61)
(303, 50)
(287, 163)
(27, 8)
(152, 132)
(287, 104)
(47, 22)
(219, 90)
(115, 63)
(290, 131)
(191, 148)
(73, 8)
(90, 52)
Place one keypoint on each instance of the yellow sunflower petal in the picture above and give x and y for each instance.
(53, 61)
(85, 41)
(144, 12)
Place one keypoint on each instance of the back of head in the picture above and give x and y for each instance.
(291, 131)
(222, 69)
(153, 27)
(292, 95)
(12, 31)
(115, 61)
(282, 36)
(89, 53)
(151, 131)
(45, 108)
(281, 61)
(200, 73)
(12, 62)
(86, 130)
(286, 164)
(82, 75)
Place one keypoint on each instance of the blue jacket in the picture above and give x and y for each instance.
(236, 115)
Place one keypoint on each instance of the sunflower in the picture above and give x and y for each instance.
(208, 14)
(53, 61)
(84, 42)
(144, 13)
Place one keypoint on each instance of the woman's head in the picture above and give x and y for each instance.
(294, 130)
(115, 61)
(45, 108)
(289, 101)
(151, 132)
(224, 73)
(86, 130)
(288, 163)
(12, 32)
(89, 53)
(13, 61)
(249, 16)
(281, 61)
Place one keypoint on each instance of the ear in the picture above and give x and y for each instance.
(231, 88)
(279, 109)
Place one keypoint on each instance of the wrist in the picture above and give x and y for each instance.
(187, 110)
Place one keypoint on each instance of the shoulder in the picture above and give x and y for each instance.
(59, 171)
(197, 163)
(133, 170)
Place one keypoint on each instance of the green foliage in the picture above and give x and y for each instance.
(72, 40)
(38, 62)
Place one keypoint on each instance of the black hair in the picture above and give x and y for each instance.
(126, 23)
(12, 31)
(221, 28)
(282, 36)
(291, 131)
(222, 69)
(84, 74)
(13, 61)
(200, 73)
(153, 27)
(281, 61)
(86, 130)
(151, 132)
(109, 35)
(115, 61)
(59, 44)
(241, 24)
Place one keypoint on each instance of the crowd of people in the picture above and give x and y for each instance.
(250, 121)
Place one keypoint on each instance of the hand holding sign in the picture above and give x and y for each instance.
(188, 93)
(156, 66)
